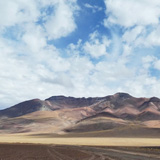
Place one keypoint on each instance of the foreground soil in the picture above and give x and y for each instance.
(64, 152)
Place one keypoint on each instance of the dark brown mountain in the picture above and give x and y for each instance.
(120, 105)
(52, 103)
(22, 108)
(59, 102)
(59, 113)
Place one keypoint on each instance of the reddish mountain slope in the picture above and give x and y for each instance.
(60, 113)
(120, 105)
(23, 108)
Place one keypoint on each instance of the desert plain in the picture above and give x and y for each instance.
(115, 127)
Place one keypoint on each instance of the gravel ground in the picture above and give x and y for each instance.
(59, 152)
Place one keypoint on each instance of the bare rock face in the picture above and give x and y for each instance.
(71, 102)
(23, 108)
(120, 105)
(59, 113)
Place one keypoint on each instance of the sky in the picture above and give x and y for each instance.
(80, 48)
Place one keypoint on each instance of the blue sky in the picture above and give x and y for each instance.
(78, 48)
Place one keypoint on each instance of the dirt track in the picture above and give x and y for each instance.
(51, 152)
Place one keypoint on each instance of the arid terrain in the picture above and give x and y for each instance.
(54, 152)
(118, 115)
(115, 127)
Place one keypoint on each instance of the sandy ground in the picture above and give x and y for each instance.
(26, 147)
(81, 141)
(63, 152)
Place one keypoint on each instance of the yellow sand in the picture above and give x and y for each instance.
(82, 141)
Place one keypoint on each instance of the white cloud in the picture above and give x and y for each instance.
(126, 50)
(147, 64)
(146, 39)
(136, 17)
(128, 13)
(18, 11)
(96, 47)
(148, 59)
(133, 25)
(34, 38)
(153, 38)
(35, 75)
(131, 35)
(157, 64)
(93, 7)
(138, 22)
(61, 23)
(143, 85)
(75, 49)
(30, 67)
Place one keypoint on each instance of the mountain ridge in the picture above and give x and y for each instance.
(61, 102)
(68, 114)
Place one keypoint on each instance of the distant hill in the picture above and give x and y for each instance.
(69, 115)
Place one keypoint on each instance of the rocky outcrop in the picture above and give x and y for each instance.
(120, 105)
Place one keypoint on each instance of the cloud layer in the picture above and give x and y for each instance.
(42, 54)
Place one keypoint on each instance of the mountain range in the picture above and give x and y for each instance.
(118, 115)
